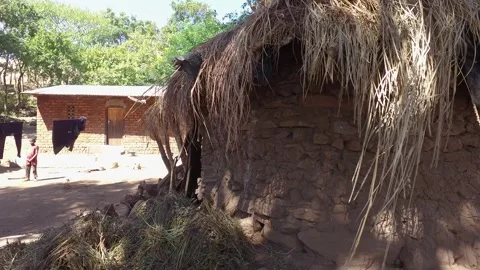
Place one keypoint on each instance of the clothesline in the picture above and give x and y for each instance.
(14, 129)
(64, 134)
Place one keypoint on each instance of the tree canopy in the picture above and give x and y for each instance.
(45, 43)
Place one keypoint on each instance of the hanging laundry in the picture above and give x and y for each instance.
(9, 129)
(65, 133)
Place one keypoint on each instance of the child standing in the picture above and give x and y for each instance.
(32, 160)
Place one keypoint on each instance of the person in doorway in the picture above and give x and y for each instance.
(32, 157)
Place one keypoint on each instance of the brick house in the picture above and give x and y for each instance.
(115, 117)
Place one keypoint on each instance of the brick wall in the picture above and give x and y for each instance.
(292, 173)
(51, 108)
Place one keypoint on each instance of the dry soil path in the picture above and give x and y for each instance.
(27, 208)
(30, 207)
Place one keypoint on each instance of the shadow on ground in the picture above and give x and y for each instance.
(9, 170)
(32, 209)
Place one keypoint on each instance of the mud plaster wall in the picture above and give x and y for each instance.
(293, 173)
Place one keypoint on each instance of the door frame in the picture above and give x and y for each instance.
(106, 122)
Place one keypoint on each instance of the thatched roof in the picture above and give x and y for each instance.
(399, 58)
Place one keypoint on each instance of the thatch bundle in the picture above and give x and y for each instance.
(399, 59)
(170, 233)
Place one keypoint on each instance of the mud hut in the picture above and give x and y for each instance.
(340, 126)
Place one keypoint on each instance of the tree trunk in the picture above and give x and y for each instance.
(20, 87)
(5, 86)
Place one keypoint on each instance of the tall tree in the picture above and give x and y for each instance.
(17, 23)
(192, 23)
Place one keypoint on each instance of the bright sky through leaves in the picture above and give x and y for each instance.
(153, 10)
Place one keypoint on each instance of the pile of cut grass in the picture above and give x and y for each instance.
(167, 233)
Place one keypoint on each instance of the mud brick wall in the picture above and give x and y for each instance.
(51, 108)
(293, 171)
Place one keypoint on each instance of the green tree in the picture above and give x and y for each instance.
(55, 58)
(92, 47)
(131, 63)
(54, 43)
(191, 24)
(17, 23)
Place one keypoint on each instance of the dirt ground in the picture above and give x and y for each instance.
(64, 189)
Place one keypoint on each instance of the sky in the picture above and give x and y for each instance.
(153, 10)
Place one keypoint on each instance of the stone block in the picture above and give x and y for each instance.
(458, 126)
(321, 139)
(282, 103)
(307, 164)
(454, 144)
(338, 143)
(291, 152)
(301, 134)
(354, 145)
(231, 205)
(278, 188)
(236, 186)
(444, 256)
(260, 190)
(308, 194)
(295, 123)
(470, 140)
(248, 126)
(317, 204)
(282, 133)
(309, 215)
(122, 209)
(259, 150)
(428, 144)
(289, 241)
(267, 125)
(472, 125)
(418, 255)
(291, 112)
(467, 256)
(295, 196)
(340, 214)
(454, 156)
(323, 123)
(266, 133)
(289, 225)
(274, 208)
(344, 128)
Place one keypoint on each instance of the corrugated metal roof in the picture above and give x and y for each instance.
(98, 90)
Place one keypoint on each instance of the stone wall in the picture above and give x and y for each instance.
(293, 171)
(51, 108)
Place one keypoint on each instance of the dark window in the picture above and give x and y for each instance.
(70, 111)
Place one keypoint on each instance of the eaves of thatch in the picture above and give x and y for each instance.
(398, 59)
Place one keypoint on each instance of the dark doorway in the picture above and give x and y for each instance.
(195, 162)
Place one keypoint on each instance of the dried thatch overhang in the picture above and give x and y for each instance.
(400, 60)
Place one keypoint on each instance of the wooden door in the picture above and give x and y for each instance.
(115, 126)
